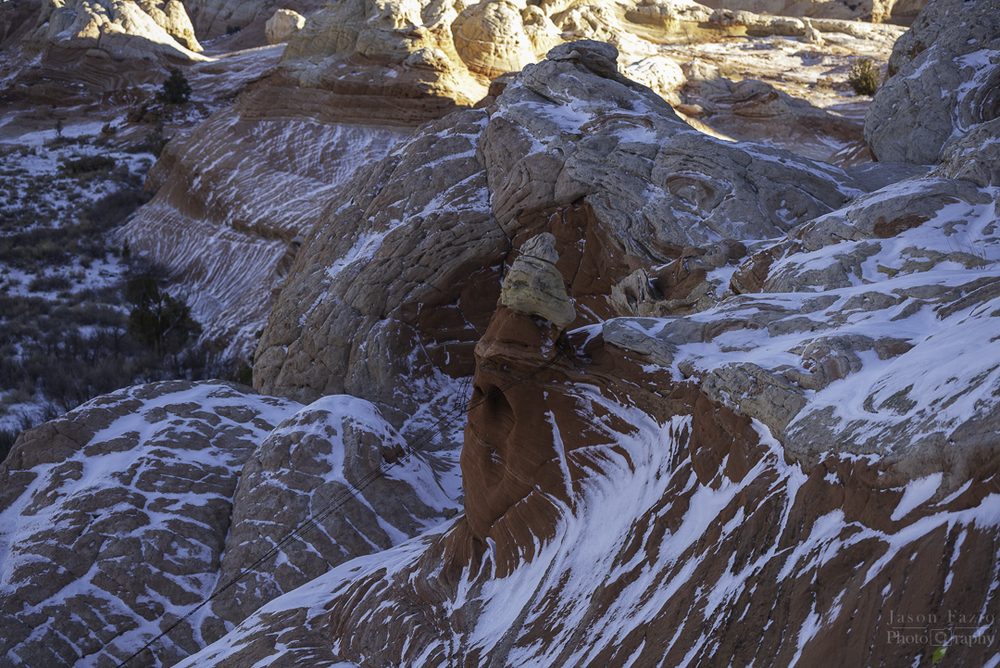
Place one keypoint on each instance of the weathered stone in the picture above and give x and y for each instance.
(234, 239)
(124, 30)
(304, 474)
(753, 391)
(403, 275)
(944, 85)
(491, 40)
(122, 533)
(283, 26)
(533, 285)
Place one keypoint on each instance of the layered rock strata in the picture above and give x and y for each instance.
(77, 51)
(232, 199)
(353, 66)
(618, 516)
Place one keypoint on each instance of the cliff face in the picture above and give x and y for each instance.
(233, 198)
(699, 402)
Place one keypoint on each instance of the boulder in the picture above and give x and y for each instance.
(124, 29)
(283, 26)
(533, 285)
(490, 38)
(172, 17)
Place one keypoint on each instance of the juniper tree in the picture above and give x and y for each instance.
(176, 89)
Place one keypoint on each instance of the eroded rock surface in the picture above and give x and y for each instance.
(284, 25)
(234, 199)
(301, 483)
(772, 414)
(137, 506)
(116, 515)
(597, 516)
(569, 129)
(944, 84)
(533, 285)
(382, 71)
(76, 51)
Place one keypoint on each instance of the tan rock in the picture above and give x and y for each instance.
(283, 26)
(490, 38)
(533, 285)
(172, 17)
(96, 25)
(661, 74)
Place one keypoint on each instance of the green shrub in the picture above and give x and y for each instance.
(157, 320)
(863, 77)
(50, 283)
(176, 89)
(88, 164)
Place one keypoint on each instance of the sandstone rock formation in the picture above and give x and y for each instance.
(354, 66)
(749, 405)
(533, 285)
(752, 110)
(123, 30)
(116, 514)
(375, 313)
(76, 52)
(283, 26)
(139, 504)
(16, 20)
(233, 199)
(232, 25)
(801, 366)
(569, 127)
(944, 83)
(875, 11)
(301, 482)
(607, 525)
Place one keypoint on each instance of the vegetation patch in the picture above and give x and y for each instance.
(80, 317)
(864, 77)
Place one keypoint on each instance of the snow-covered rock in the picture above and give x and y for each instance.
(116, 514)
(141, 503)
(944, 83)
(769, 436)
(234, 198)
